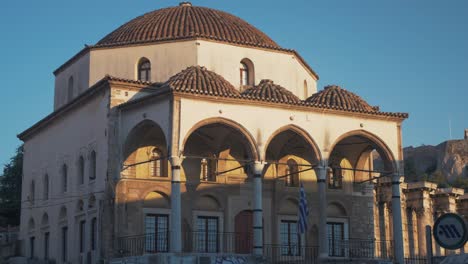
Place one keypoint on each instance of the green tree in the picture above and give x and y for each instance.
(10, 188)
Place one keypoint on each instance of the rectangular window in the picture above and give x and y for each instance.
(156, 233)
(336, 243)
(93, 233)
(82, 235)
(46, 245)
(207, 234)
(290, 239)
(64, 243)
(31, 247)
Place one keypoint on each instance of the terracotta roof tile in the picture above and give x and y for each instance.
(199, 80)
(184, 22)
(269, 91)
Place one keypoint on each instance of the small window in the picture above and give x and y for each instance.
(71, 84)
(93, 233)
(208, 169)
(32, 191)
(82, 235)
(246, 73)
(292, 172)
(335, 178)
(64, 178)
(290, 239)
(92, 166)
(64, 243)
(46, 245)
(31, 247)
(81, 169)
(306, 90)
(207, 234)
(46, 187)
(144, 70)
(156, 168)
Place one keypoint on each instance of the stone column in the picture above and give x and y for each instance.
(397, 221)
(176, 222)
(258, 209)
(322, 192)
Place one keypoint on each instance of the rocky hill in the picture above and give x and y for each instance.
(447, 162)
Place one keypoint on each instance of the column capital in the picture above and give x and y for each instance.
(175, 160)
(258, 167)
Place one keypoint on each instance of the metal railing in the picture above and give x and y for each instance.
(216, 242)
(360, 248)
(143, 244)
(278, 254)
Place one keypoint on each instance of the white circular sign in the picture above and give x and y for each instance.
(450, 231)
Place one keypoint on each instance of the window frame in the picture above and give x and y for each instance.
(81, 169)
(64, 172)
(144, 62)
(92, 165)
(45, 193)
(205, 247)
(155, 241)
(335, 178)
(82, 236)
(64, 238)
(46, 245)
(345, 223)
(157, 168)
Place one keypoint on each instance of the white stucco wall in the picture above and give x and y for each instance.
(262, 123)
(75, 133)
(79, 70)
(281, 67)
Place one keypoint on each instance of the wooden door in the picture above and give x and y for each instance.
(244, 232)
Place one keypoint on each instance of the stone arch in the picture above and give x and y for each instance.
(288, 206)
(45, 220)
(138, 146)
(298, 130)
(336, 209)
(63, 213)
(230, 123)
(31, 224)
(379, 145)
(208, 202)
(156, 200)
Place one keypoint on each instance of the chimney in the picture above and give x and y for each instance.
(466, 133)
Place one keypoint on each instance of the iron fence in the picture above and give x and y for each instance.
(278, 254)
(217, 242)
(143, 244)
(360, 248)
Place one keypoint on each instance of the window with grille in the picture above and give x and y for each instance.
(292, 172)
(64, 178)
(93, 166)
(207, 234)
(156, 165)
(335, 232)
(335, 178)
(156, 233)
(208, 169)
(290, 239)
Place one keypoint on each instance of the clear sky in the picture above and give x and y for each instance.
(405, 56)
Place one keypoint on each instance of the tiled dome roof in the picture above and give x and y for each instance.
(269, 91)
(186, 22)
(337, 98)
(199, 80)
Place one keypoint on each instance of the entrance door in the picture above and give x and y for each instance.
(244, 232)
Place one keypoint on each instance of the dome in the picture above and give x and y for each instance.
(187, 22)
(269, 91)
(337, 98)
(199, 80)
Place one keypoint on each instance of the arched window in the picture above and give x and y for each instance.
(246, 73)
(32, 191)
(144, 70)
(70, 89)
(46, 187)
(335, 177)
(306, 90)
(292, 180)
(156, 168)
(64, 177)
(208, 169)
(92, 165)
(81, 169)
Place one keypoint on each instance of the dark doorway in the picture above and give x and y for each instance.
(244, 232)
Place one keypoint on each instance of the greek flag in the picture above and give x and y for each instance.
(303, 212)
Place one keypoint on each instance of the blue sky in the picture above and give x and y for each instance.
(405, 56)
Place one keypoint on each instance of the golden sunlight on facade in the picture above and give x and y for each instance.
(186, 134)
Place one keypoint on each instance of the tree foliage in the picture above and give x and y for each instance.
(10, 189)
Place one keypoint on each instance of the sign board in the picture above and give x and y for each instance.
(450, 231)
